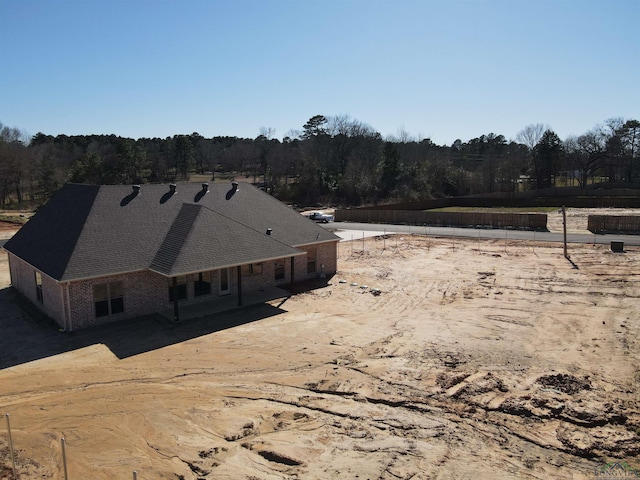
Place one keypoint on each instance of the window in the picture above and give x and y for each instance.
(39, 287)
(116, 298)
(108, 298)
(253, 269)
(311, 261)
(182, 288)
(279, 271)
(202, 284)
(225, 281)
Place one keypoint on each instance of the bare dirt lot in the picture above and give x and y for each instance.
(476, 359)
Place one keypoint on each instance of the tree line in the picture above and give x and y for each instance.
(330, 160)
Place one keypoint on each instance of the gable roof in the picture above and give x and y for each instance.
(47, 241)
(90, 231)
(201, 239)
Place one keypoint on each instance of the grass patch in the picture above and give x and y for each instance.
(13, 218)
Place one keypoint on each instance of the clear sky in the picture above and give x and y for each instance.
(443, 69)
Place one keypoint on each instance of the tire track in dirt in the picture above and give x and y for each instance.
(500, 382)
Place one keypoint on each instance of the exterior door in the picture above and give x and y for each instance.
(225, 281)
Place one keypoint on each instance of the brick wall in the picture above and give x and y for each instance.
(143, 293)
(324, 254)
(146, 292)
(23, 279)
(257, 281)
(328, 255)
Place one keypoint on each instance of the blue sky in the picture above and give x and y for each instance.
(441, 70)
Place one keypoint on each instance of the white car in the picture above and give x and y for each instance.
(321, 217)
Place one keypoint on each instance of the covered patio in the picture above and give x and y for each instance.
(224, 304)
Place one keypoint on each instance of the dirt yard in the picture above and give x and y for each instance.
(472, 360)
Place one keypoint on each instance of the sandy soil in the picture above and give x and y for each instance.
(7, 229)
(476, 359)
(577, 218)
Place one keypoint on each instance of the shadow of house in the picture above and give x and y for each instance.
(29, 335)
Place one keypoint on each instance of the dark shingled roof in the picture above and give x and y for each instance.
(48, 240)
(90, 231)
(201, 239)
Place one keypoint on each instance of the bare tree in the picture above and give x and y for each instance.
(14, 162)
(402, 136)
(347, 126)
(291, 135)
(267, 132)
(585, 154)
(531, 134)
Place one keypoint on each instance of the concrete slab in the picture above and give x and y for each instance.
(347, 235)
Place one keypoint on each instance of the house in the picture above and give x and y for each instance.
(97, 254)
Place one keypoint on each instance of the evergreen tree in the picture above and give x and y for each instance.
(547, 155)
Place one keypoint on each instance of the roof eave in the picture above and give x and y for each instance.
(93, 277)
(220, 267)
(318, 242)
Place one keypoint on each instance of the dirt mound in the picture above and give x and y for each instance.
(529, 372)
(565, 383)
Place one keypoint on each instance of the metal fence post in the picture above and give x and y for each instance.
(13, 458)
(564, 230)
(64, 459)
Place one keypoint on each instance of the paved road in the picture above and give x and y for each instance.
(353, 231)
(349, 231)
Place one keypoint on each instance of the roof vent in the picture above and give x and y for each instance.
(234, 185)
(136, 189)
(269, 230)
(172, 187)
(205, 187)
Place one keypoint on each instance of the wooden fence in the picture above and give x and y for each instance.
(586, 201)
(517, 221)
(614, 224)
(556, 197)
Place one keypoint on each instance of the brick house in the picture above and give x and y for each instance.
(97, 254)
